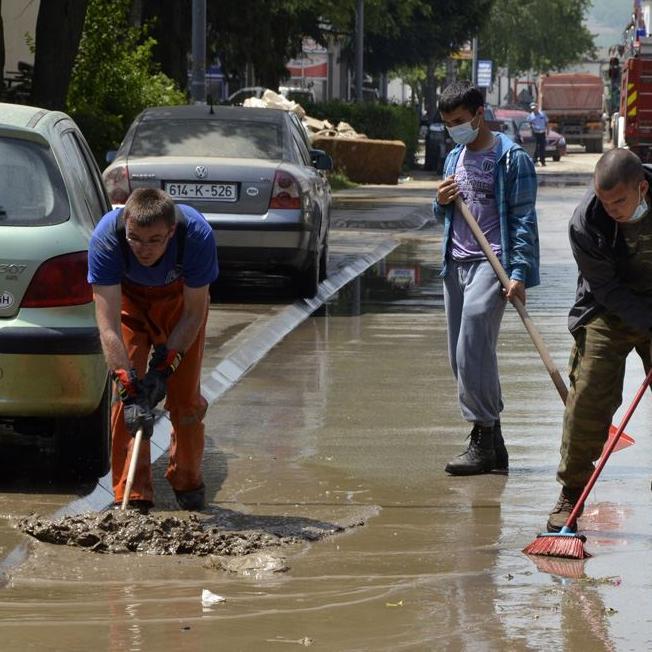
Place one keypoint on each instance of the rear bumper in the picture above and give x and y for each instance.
(50, 372)
(275, 240)
(50, 341)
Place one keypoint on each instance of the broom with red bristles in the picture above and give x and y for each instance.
(567, 543)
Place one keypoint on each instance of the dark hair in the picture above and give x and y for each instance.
(146, 206)
(618, 166)
(460, 93)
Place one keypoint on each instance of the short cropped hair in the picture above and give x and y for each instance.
(618, 166)
(146, 206)
(460, 93)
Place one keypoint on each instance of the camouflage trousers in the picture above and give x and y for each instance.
(597, 371)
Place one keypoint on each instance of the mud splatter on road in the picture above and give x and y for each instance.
(158, 534)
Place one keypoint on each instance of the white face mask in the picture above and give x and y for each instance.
(640, 211)
(465, 133)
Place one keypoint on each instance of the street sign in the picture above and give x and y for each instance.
(484, 73)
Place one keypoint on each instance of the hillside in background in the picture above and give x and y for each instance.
(607, 19)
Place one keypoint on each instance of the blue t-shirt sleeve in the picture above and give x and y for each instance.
(200, 254)
(105, 258)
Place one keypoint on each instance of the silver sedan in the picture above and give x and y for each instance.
(250, 171)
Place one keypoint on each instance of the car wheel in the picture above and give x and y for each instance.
(307, 279)
(83, 444)
(556, 156)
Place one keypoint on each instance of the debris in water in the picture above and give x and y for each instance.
(256, 564)
(208, 599)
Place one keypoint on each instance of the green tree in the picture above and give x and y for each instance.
(419, 32)
(527, 35)
(115, 77)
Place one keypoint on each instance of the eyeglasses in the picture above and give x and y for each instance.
(156, 241)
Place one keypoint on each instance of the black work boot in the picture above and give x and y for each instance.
(502, 457)
(562, 510)
(479, 457)
(193, 500)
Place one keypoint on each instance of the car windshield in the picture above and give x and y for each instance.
(32, 192)
(208, 139)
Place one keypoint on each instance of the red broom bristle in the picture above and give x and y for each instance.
(558, 546)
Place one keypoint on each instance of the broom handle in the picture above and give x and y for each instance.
(131, 473)
(612, 444)
(518, 304)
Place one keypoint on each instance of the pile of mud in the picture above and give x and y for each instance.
(159, 534)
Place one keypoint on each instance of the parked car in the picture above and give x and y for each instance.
(250, 171)
(555, 142)
(521, 133)
(53, 378)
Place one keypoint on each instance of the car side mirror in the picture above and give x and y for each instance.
(109, 157)
(321, 160)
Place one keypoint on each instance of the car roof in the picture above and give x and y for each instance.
(203, 112)
(18, 115)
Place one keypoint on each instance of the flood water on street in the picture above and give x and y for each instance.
(348, 423)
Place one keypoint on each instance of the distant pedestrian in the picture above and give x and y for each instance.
(611, 239)
(151, 264)
(496, 178)
(539, 121)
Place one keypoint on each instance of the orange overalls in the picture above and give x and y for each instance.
(149, 315)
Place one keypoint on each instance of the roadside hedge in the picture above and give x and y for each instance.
(376, 120)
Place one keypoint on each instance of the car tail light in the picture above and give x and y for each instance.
(60, 281)
(116, 181)
(286, 192)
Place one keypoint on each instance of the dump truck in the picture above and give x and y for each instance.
(573, 103)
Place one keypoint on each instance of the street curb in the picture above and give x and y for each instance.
(564, 179)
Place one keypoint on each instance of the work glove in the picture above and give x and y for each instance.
(137, 413)
(162, 365)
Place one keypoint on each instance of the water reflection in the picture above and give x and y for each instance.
(406, 281)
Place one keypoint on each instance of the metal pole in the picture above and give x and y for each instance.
(359, 49)
(474, 64)
(198, 84)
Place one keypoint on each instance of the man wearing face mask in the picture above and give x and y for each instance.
(496, 179)
(611, 238)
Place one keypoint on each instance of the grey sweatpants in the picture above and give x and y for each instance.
(474, 309)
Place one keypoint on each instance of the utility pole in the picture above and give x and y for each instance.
(198, 84)
(474, 61)
(359, 49)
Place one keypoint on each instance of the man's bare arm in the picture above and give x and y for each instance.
(108, 304)
(195, 304)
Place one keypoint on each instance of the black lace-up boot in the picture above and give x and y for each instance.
(502, 457)
(479, 457)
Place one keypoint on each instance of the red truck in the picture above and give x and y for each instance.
(636, 107)
(573, 103)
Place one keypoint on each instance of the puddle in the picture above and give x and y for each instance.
(406, 281)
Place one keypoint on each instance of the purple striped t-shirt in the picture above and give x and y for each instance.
(475, 176)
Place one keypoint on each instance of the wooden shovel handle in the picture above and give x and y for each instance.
(518, 304)
(131, 473)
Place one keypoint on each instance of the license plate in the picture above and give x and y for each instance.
(205, 191)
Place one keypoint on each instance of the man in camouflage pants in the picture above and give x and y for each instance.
(611, 238)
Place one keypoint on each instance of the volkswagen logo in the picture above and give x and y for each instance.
(201, 172)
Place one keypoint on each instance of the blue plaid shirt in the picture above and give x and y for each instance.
(516, 194)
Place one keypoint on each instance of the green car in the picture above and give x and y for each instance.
(53, 378)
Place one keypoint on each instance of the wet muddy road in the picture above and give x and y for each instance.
(338, 437)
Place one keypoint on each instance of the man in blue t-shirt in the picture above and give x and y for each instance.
(539, 122)
(151, 265)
